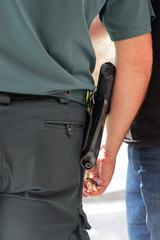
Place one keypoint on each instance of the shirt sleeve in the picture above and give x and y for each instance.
(125, 19)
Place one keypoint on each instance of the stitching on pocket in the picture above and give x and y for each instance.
(70, 128)
(62, 124)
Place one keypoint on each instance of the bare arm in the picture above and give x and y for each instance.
(97, 30)
(133, 70)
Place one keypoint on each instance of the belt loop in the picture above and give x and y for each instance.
(63, 100)
(4, 98)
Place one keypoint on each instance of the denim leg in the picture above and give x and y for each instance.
(136, 213)
(149, 171)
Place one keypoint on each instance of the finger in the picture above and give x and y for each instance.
(84, 195)
(99, 193)
(101, 190)
(85, 188)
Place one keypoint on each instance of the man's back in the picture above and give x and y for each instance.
(45, 45)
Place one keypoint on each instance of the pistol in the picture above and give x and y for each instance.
(98, 114)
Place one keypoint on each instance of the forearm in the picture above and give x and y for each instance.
(133, 72)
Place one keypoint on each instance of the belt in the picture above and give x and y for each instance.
(66, 96)
(73, 95)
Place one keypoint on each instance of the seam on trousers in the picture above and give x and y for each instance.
(73, 235)
(1, 155)
(131, 155)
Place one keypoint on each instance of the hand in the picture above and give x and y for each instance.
(102, 173)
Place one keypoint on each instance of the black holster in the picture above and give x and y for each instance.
(98, 114)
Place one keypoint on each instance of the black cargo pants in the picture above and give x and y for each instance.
(40, 174)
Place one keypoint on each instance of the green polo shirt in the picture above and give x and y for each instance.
(45, 45)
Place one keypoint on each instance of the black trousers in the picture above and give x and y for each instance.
(40, 174)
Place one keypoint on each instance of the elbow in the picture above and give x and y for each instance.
(145, 57)
(136, 54)
(146, 64)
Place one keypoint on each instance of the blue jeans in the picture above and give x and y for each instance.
(143, 193)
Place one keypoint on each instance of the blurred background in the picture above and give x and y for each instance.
(107, 213)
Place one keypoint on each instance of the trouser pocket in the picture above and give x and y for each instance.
(69, 127)
(42, 146)
(80, 231)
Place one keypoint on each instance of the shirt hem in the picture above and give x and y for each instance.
(130, 34)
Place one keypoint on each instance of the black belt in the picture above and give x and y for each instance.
(75, 95)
